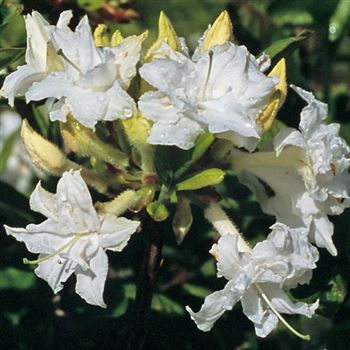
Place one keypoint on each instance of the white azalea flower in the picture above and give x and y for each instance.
(258, 278)
(93, 83)
(308, 173)
(39, 58)
(221, 91)
(74, 237)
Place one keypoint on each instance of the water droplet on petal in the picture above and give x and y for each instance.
(127, 112)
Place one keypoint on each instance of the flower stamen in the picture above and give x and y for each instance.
(60, 250)
(279, 316)
(62, 54)
(210, 54)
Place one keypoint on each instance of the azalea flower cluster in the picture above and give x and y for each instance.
(221, 94)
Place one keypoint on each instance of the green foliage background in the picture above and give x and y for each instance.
(31, 317)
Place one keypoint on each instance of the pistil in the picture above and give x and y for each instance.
(60, 250)
(210, 54)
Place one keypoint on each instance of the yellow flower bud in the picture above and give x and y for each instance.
(167, 34)
(48, 158)
(45, 155)
(218, 33)
(277, 98)
(137, 130)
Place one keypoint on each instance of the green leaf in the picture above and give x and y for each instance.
(172, 162)
(157, 211)
(8, 56)
(11, 278)
(8, 11)
(41, 116)
(340, 21)
(196, 291)
(91, 5)
(205, 178)
(202, 144)
(7, 149)
(284, 47)
(164, 304)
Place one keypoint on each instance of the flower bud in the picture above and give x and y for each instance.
(218, 33)
(277, 98)
(182, 219)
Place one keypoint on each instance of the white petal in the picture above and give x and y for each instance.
(115, 232)
(55, 85)
(90, 283)
(227, 255)
(18, 82)
(55, 271)
(311, 115)
(127, 54)
(182, 134)
(77, 46)
(282, 304)
(59, 110)
(214, 306)
(64, 19)
(37, 39)
(322, 233)
(264, 320)
(43, 202)
(157, 106)
(228, 114)
(40, 238)
(286, 137)
(165, 74)
(74, 204)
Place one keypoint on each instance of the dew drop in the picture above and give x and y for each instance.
(186, 131)
(332, 28)
(127, 112)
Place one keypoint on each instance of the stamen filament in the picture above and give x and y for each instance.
(61, 53)
(279, 316)
(210, 53)
(47, 257)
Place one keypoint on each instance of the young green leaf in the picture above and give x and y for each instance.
(284, 47)
(205, 178)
